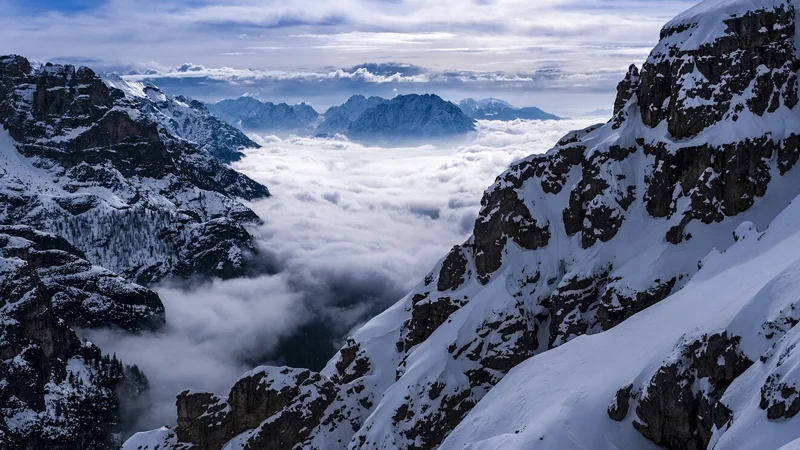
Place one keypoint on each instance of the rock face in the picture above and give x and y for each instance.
(338, 118)
(55, 390)
(186, 118)
(270, 408)
(410, 118)
(677, 415)
(253, 115)
(84, 295)
(576, 251)
(86, 161)
(495, 109)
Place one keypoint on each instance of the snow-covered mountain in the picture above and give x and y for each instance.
(495, 109)
(253, 115)
(185, 118)
(410, 118)
(635, 287)
(404, 119)
(97, 166)
(55, 390)
(337, 119)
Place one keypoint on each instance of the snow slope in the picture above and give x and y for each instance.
(558, 399)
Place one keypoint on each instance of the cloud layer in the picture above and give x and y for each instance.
(352, 228)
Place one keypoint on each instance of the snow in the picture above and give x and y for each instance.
(161, 438)
(558, 399)
(706, 19)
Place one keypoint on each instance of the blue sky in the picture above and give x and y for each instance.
(566, 55)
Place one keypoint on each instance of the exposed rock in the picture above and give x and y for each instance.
(454, 270)
(85, 162)
(676, 415)
(279, 407)
(426, 316)
(503, 215)
(573, 308)
(618, 409)
(626, 88)
(616, 307)
(84, 295)
(780, 400)
(56, 392)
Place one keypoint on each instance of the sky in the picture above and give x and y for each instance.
(565, 56)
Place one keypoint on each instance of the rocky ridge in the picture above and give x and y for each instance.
(89, 162)
(57, 391)
(186, 118)
(575, 252)
(405, 119)
(253, 115)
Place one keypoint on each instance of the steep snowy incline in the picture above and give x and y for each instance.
(81, 159)
(612, 221)
(739, 307)
(185, 118)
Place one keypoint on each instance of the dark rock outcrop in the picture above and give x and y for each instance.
(279, 405)
(56, 391)
(676, 415)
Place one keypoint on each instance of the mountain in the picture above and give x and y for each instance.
(89, 162)
(57, 391)
(253, 115)
(337, 119)
(186, 118)
(602, 112)
(410, 118)
(634, 287)
(405, 119)
(494, 109)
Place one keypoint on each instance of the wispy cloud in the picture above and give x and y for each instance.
(497, 47)
(291, 35)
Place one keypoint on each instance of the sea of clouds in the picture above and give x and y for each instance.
(352, 228)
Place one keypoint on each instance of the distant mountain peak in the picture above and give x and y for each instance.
(496, 109)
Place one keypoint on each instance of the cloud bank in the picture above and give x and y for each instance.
(352, 229)
(579, 40)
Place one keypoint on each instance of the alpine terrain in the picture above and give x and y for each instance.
(102, 183)
(121, 173)
(405, 119)
(634, 287)
(495, 109)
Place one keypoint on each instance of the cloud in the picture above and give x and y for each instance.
(352, 229)
(580, 39)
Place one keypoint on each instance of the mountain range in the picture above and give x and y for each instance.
(634, 287)
(404, 118)
(495, 109)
